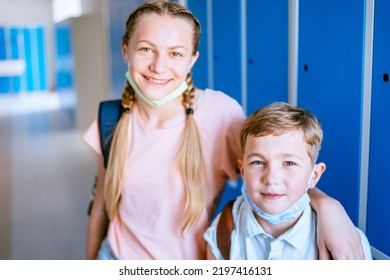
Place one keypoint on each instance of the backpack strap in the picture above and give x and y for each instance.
(224, 230)
(109, 113)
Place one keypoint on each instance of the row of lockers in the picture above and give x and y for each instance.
(245, 52)
(25, 44)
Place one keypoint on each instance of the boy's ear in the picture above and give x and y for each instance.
(239, 161)
(319, 169)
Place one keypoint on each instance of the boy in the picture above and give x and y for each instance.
(272, 219)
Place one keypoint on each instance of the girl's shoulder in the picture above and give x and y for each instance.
(216, 100)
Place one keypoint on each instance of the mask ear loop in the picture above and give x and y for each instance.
(311, 177)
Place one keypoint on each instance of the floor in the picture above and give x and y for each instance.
(46, 175)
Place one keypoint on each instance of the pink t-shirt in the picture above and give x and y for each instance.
(149, 222)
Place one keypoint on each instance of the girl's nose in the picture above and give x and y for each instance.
(159, 64)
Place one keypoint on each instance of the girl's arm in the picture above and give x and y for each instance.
(209, 253)
(337, 237)
(98, 220)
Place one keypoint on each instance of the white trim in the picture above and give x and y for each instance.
(244, 82)
(366, 112)
(293, 36)
(376, 254)
(210, 45)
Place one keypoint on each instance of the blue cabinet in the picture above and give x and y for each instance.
(226, 41)
(377, 225)
(330, 71)
(201, 71)
(267, 52)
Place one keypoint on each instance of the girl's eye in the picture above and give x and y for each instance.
(146, 49)
(289, 163)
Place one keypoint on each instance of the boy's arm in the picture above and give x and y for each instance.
(337, 236)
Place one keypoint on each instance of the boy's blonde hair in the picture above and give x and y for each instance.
(278, 118)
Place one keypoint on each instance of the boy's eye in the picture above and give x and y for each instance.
(177, 54)
(289, 163)
(257, 162)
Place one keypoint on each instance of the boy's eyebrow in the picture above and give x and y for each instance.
(291, 155)
(255, 155)
(282, 155)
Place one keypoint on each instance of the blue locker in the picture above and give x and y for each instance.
(64, 56)
(378, 226)
(15, 36)
(227, 47)
(28, 47)
(40, 48)
(118, 13)
(200, 72)
(330, 85)
(4, 81)
(267, 51)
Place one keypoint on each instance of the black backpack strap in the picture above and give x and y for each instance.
(109, 113)
(224, 230)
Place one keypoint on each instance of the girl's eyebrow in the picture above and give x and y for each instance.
(152, 44)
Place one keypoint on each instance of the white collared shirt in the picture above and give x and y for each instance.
(250, 241)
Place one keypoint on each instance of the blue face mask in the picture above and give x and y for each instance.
(290, 214)
(153, 102)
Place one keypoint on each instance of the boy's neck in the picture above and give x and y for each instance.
(278, 229)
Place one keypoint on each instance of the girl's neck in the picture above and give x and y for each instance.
(165, 116)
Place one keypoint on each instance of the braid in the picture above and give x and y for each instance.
(118, 154)
(128, 97)
(189, 95)
(191, 164)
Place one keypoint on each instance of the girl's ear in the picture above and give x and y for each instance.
(193, 60)
(317, 173)
(124, 51)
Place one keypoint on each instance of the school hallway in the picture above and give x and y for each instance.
(46, 176)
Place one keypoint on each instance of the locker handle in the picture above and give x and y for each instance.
(385, 77)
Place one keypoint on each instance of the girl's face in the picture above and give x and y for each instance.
(277, 170)
(160, 54)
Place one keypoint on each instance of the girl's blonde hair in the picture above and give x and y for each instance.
(189, 157)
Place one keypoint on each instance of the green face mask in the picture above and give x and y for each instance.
(153, 102)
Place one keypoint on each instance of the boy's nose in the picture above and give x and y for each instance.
(271, 176)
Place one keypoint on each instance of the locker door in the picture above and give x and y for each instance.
(64, 65)
(119, 11)
(329, 85)
(4, 81)
(378, 226)
(200, 70)
(267, 51)
(227, 47)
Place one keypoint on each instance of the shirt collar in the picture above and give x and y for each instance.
(293, 236)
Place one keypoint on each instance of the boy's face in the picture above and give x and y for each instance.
(277, 170)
